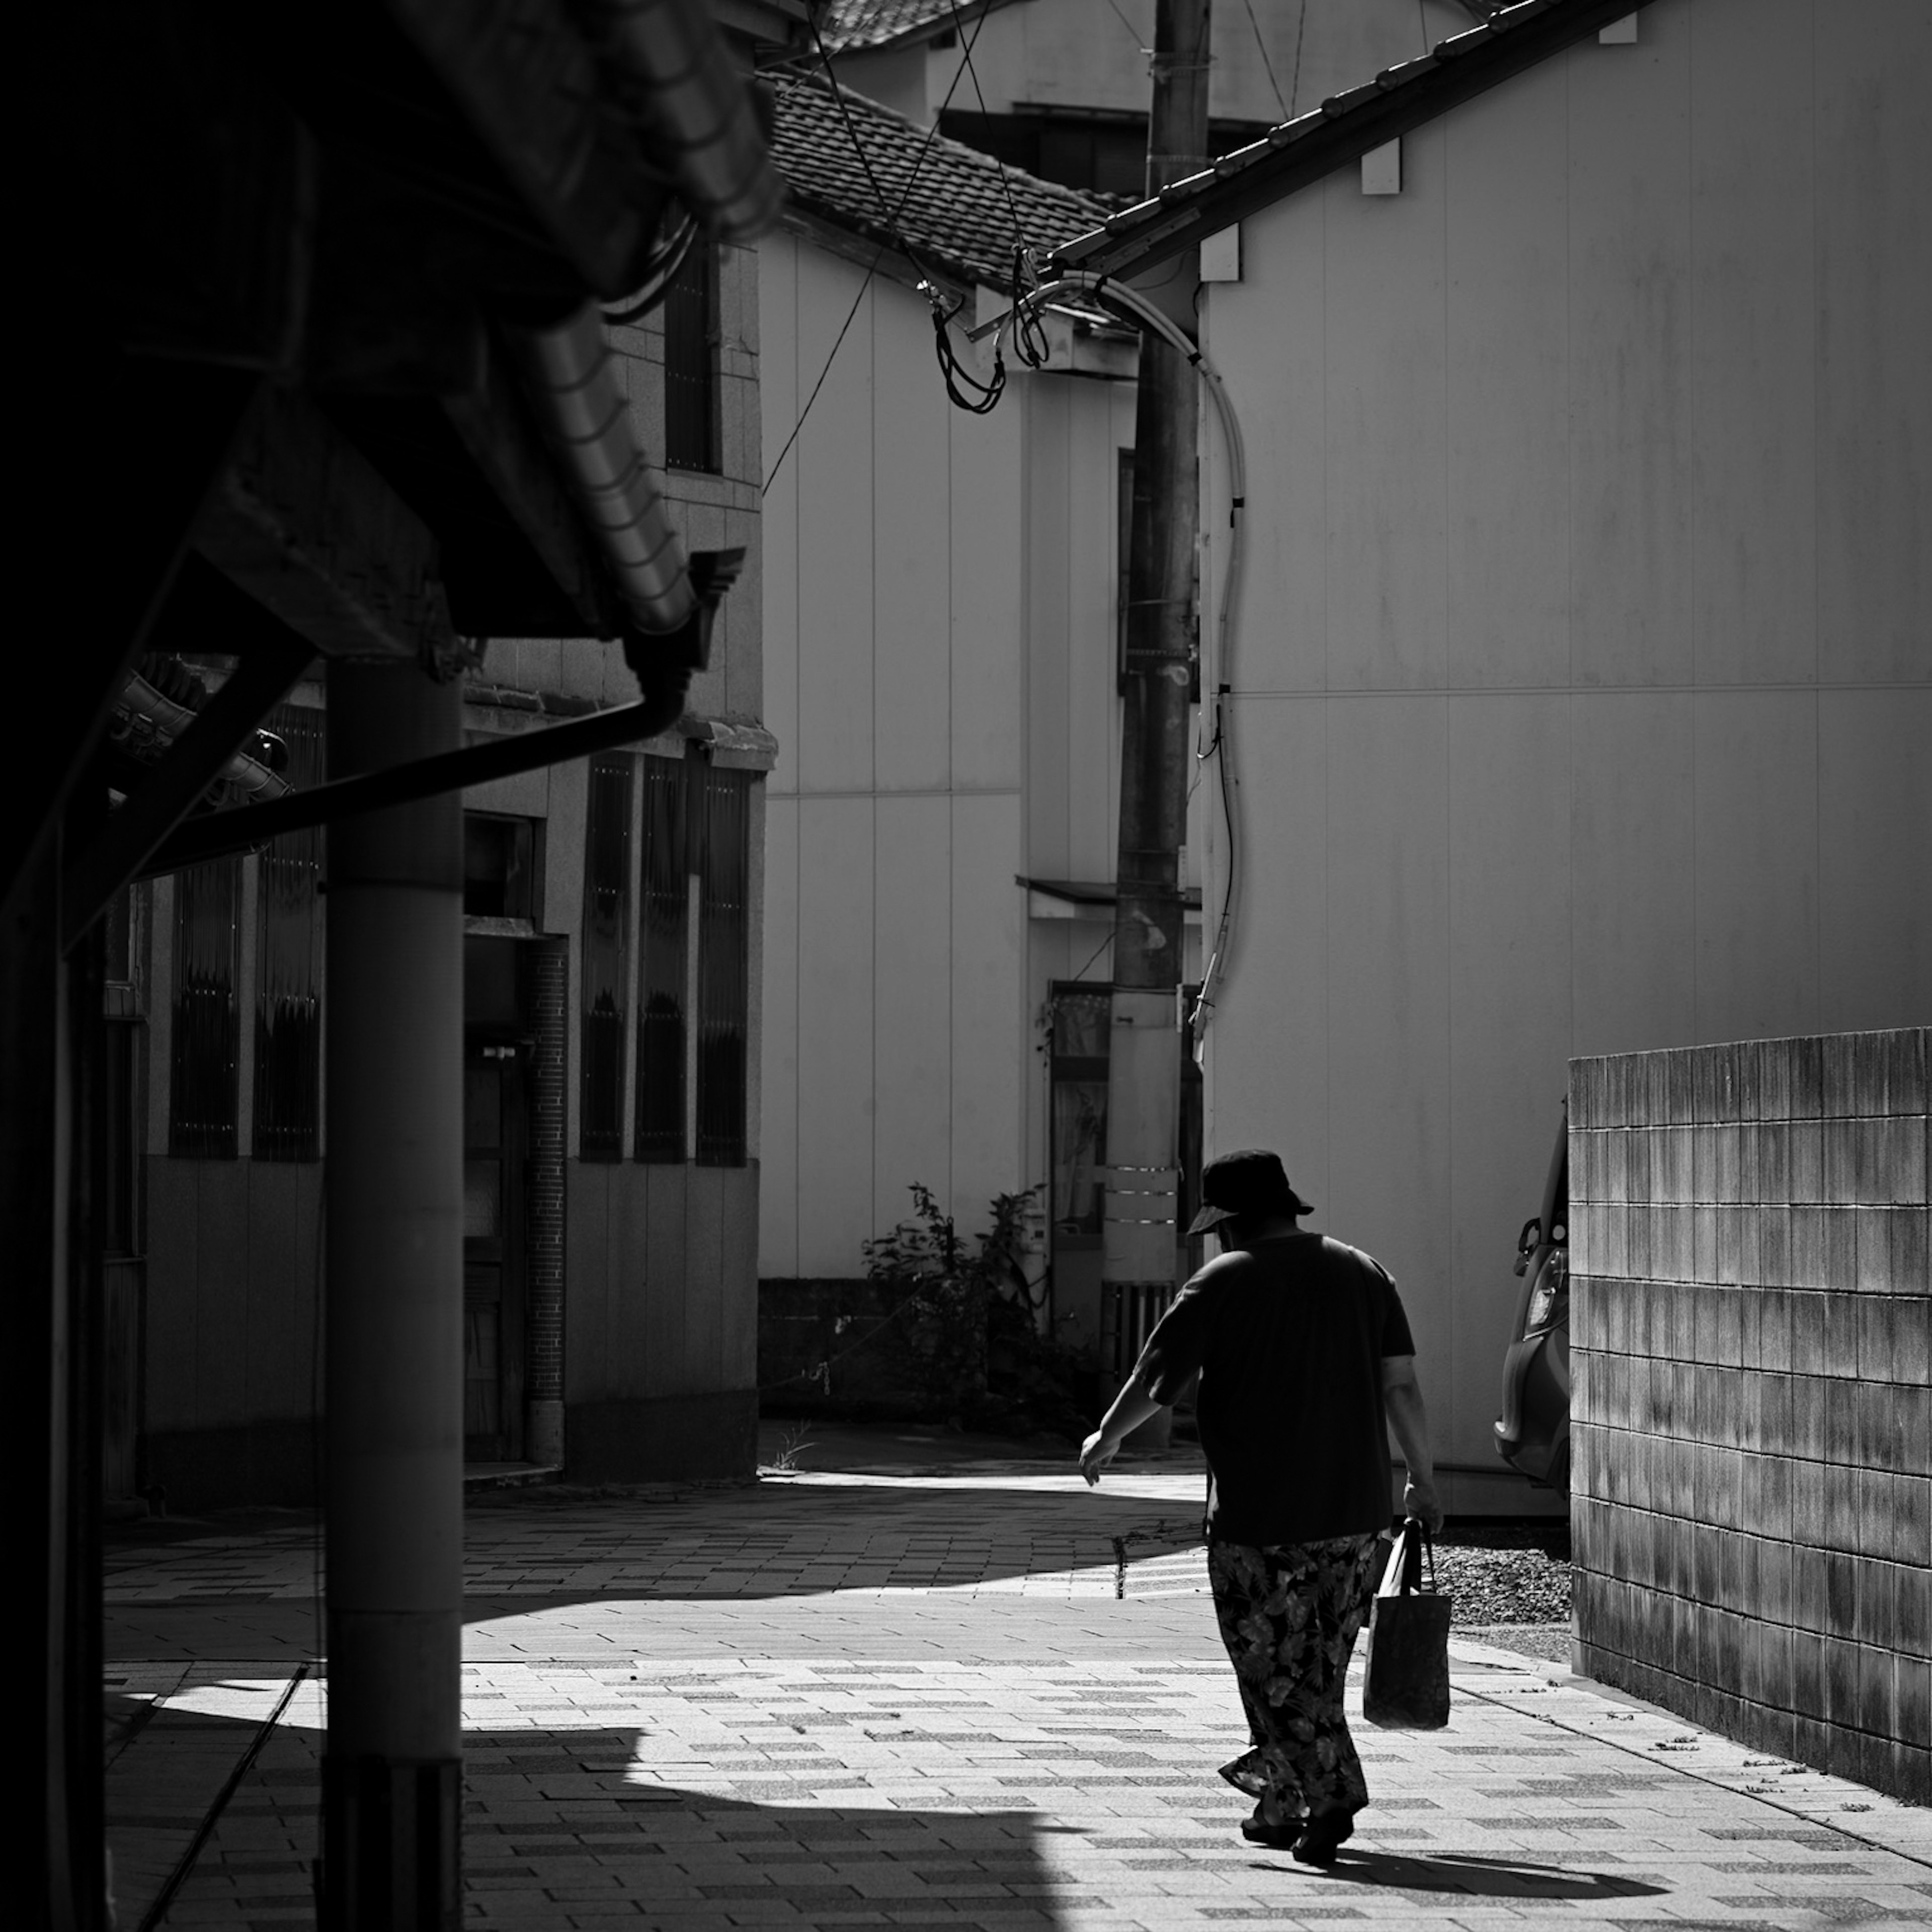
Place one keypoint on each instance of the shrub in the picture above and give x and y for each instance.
(966, 1309)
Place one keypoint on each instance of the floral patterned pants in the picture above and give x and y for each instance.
(1289, 1614)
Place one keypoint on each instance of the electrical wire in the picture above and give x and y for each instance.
(1133, 30)
(1028, 336)
(871, 268)
(963, 388)
(1268, 65)
(1022, 247)
(886, 207)
(661, 270)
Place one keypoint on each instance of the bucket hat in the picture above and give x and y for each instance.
(1251, 1182)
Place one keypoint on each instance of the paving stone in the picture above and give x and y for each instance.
(958, 1727)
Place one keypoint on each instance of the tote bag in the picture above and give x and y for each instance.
(1407, 1685)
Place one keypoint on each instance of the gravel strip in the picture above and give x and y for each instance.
(1506, 1574)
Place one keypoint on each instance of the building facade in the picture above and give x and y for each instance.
(943, 628)
(1581, 683)
(612, 983)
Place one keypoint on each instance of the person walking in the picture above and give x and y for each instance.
(1306, 1363)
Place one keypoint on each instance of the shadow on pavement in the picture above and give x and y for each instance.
(1479, 1877)
(557, 1823)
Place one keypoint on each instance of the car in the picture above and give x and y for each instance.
(1533, 1431)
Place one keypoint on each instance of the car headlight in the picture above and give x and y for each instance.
(1552, 1285)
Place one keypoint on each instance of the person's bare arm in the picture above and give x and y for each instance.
(1408, 1421)
(1131, 1407)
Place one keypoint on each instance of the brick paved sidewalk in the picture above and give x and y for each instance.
(985, 1698)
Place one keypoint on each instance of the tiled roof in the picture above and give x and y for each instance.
(1342, 130)
(957, 219)
(858, 26)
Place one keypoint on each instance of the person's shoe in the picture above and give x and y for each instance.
(1320, 1836)
(1282, 1837)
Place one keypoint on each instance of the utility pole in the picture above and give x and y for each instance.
(1143, 1183)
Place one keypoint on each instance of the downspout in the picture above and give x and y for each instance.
(695, 104)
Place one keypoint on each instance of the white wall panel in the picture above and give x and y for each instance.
(836, 1072)
(990, 1042)
(987, 583)
(910, 508)
(1757, 864)
(1629, 325)
(1632, 887)
(1872, 138)
(1388, 994)
(1281, 620)
(779, 1111)
(912, 967)
(1509, 1019)
(1046, 717)
(1507, 326)
(1752, 349)
(1268, 1062)
(1875, 859)
(1385, 428)
(834, 457)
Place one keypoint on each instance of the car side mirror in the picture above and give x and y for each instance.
(1532, 1232)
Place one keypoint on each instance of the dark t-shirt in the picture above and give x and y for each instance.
(1288, 1339)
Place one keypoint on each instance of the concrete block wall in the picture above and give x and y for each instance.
(1751, 1337)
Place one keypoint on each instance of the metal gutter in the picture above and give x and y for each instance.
(695, 104)
(216, 832)
(587, 417)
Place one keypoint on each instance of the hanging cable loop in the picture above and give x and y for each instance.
(1029, 338)
(965, 389)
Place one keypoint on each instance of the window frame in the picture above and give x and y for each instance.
(693, 339)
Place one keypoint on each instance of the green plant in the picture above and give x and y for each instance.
(966, 1312)
(792, 1444)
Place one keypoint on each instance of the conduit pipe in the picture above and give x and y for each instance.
(588, 418)
(695, 103)
(1217, 670)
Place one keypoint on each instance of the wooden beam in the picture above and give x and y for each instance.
(305, 524)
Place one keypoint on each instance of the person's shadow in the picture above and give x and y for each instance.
(1481, 1877)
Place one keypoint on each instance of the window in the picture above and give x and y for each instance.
(607, 901)
(723, 866)
(499, 867)
(288, 956)
(691, 335)
(663, 940)
(206, 1047)
(1080, 1019)
(695, 963)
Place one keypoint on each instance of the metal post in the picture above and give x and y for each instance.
(1142, 1183)
(393, 1486)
